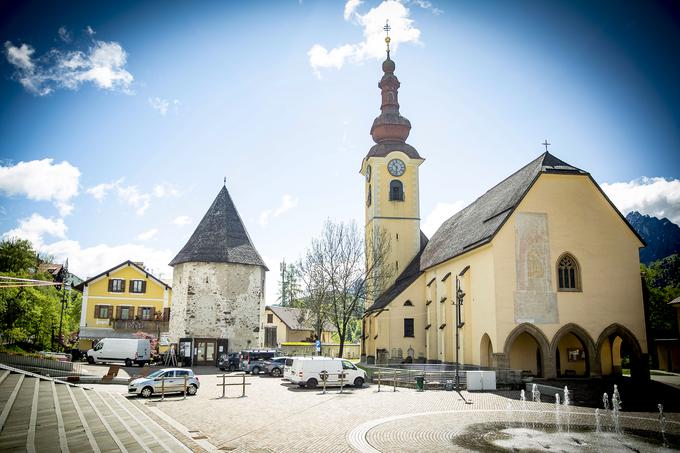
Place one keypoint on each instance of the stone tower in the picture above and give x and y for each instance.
(218, 284)
(391, 178)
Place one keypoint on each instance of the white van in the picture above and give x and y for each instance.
(127, 350)
(306, 372)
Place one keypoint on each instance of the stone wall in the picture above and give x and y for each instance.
(218, 300)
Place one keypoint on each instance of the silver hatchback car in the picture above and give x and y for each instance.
(168, 380)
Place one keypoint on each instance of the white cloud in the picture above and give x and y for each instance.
(658, 197)
(287, 203)
(182, 220)
(165, 190)
(150, 234)
(90, 31)
(132, 195)
(89, 261)
(34, 229)
(64, 34)
(100, 191)
(350, 8)
(440, 213)
(164, 105)
(373, 44)
(102, 64)
(42, 180)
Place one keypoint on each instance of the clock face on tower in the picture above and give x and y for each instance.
(396, 167)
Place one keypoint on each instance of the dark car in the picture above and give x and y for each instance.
(229, 361)
(275, 366)
(253, 361)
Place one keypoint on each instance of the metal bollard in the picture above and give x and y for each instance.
(185, 387)
(342, 381)
(244, 386)
(162, 388)
(223, 384)
(394, 381)
(379, 378)
(324, 378)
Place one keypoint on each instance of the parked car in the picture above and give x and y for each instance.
(287, 368)
(229, 361)
(126, 350)
(274, 367)
(253, 361)
(174, 382)
(307, 371)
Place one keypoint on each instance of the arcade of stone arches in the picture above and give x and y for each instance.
(571, 353)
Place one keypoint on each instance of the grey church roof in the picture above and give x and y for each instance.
(296, 319)
(408, 276)
(221, 237)
(476, 224)
(479, 222)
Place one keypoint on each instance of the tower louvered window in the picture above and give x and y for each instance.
(396, 191)
(568, 273)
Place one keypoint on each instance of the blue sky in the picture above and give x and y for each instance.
(119, 121)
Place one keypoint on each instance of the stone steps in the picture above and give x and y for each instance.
(40, 414)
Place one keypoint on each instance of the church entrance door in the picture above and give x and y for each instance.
(205, 351)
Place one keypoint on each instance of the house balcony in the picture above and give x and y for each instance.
(133, 325)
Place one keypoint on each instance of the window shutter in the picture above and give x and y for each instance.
(110, 285)
(96, 311)
(122, 286)
(152, 315)
(110, 311)
(166, 314)
(118, 312)
(143, 286)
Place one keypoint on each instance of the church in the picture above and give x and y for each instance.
(545, 268)
(218, 283)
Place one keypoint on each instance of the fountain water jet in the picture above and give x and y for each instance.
(566, 406)
(605, 403)
(523, 399)
(616, 408)
(598, 426)
(558, 419)
(662, 424)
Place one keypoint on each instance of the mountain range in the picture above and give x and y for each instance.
(661, 235)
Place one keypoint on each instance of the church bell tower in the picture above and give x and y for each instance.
(391, 183)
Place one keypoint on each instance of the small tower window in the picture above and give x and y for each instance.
(568, 273)
(396, 191)
(368, 198)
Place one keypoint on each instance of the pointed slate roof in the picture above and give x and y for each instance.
(478, 223)
(221, 237)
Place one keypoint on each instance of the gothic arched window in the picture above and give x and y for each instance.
(568, 273)
(396, 190)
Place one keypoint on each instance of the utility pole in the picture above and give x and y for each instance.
(283, 283)
(458, 305)
(66, 285)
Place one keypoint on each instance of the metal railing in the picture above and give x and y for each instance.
(140, 324)
(184, 391)
(243, 384)
(42, 366)
(433, 379)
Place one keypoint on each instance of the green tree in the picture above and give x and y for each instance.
(30, 314)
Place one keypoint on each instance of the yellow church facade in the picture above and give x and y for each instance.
(548, 266)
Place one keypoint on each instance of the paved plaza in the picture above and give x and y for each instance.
(278, 416)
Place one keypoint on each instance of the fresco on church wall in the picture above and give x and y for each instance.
(535, 301)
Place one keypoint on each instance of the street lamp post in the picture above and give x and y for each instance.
(460, 322)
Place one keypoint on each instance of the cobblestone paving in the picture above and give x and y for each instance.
(277, 416)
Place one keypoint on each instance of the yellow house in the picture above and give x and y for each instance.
(288, 324)
(122, 301)
(547, 268)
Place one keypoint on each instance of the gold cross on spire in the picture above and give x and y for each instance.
(387, 29)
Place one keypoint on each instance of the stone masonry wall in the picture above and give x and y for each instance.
(218, 300)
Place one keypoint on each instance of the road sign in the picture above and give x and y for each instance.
(317, 344)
